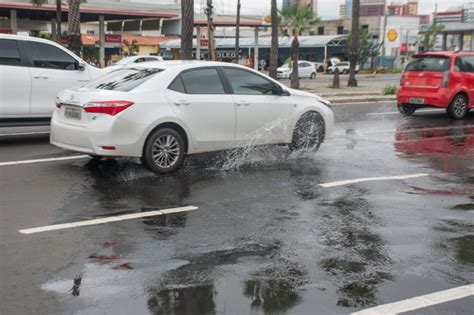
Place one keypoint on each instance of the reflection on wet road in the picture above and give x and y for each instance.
(266, 238)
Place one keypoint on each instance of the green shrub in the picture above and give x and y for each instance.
(390, 89)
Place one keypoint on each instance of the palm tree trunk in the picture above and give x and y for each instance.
(58, 20)
(354, 45)
(295, 51)
(74, 26)
(187, 29)
(274, 46)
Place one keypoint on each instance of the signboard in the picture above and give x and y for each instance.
(392, 35)
(113, 38)
(204, 42)
(5, 31)
(404, 48)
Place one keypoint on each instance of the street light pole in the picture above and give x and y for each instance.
(237, 33)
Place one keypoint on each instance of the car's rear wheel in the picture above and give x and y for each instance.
(313, 76)
(406, 110)
(458, 107)
(345, 71)
(164, 151)
(309, 132)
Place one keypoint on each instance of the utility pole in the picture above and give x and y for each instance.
(210, 29)
(237, 34)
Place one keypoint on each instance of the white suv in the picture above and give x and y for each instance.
(161, 111)
(33, 71)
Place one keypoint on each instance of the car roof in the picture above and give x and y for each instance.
(29, 38)
(443, 54)
(168, 64)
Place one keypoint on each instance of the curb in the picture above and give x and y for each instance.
(367, 99)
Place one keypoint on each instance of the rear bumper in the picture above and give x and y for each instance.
(119, 133)
(437, 98)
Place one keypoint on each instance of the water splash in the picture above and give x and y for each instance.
(255, 148)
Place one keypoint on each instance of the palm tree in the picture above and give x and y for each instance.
(274, 46)
(354, 45)
(187, 28)
(57, 36)
(74, 26)
(294, 20)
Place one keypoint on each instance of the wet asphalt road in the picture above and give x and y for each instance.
(266, 238)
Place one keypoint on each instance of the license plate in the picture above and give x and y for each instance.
(417, 100)
(73, 113)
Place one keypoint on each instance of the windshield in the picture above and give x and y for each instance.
(432, 64)
(123, 80)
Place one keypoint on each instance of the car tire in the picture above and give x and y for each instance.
(164, 151)
(458, 107)
(313, 76)
(345, 71)
(406, 110)
(309, 132)
(290, 76)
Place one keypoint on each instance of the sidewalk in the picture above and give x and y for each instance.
(369, 89)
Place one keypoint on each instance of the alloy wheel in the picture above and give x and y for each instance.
(166, 151)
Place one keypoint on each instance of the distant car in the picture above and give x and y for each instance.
(343, 67)
(164, 110)
(306, 69)
(440, 80)
(33, 71)
(132, 60)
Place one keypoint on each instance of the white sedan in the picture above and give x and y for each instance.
(163, 111)
(306, 69)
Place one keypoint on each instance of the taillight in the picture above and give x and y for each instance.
(58, 103)
(402, 81)
(109, 108)
(445, 82)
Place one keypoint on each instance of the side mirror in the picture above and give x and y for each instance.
(284, 93)
(81, 66)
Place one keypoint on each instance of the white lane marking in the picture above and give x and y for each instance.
(397, 113)
(367, 179)
(64, 158)
(24, 133)
(106, 220)
(420, 301)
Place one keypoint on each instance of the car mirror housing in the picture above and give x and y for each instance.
(81, 66)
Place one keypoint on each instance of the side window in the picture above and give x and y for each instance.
(9, 54)
(465, 64)
(247, 83)
(202, 81)
(50, 57)
(177, 85)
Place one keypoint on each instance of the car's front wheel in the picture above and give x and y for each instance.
(458, 107)
(313, 76)
(406, 110)
(309, 132)
(164, 151)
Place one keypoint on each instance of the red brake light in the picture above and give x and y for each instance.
(58, 103)
(402, 79)
(109, 108)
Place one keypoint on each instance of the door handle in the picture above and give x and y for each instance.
(242, 103)
(40, 76)
(182, 103)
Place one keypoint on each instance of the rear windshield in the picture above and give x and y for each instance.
(123, 80)
(431, 64)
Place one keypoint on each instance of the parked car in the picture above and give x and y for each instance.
(440, 80)
(33, 71)
(132, 60)
(162, 111)
(306, 69)
(343, 67)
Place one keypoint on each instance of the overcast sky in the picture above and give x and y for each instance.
(327, 8)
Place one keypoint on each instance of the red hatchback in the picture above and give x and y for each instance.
(438, 79)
